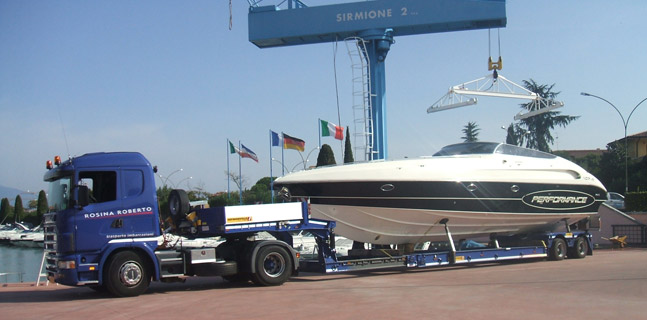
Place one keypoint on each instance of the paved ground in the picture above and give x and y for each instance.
(611, 284)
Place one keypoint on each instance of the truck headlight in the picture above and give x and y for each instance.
(66, 264)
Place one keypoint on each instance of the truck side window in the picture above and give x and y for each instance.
(133, 182)
(102, 185)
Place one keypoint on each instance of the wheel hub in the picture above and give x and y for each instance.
(274, 265)
(130, 273)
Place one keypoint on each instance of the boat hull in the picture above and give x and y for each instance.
(410, 212)
(481, 188)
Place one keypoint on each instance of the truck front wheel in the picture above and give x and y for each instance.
(273, 266)
(127, 275)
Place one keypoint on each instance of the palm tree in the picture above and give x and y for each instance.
(471, 131)
(538, 127)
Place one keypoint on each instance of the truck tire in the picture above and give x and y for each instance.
(273, 266)
(126, 274)
(580, 249)
(557, 250)
(216, 269)
(237, 278)
(178, 205)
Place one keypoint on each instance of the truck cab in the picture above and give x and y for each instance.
(102, 202)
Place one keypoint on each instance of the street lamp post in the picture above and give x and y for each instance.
(625, 123)
(166, 179)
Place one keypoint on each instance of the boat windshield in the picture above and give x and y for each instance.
(59, 193)
(490, 148)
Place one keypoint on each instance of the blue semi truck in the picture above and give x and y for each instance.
(106, 232)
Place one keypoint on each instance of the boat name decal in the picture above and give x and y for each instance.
(558, 199)
(119, 213)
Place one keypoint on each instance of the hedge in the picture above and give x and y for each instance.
(636, 201)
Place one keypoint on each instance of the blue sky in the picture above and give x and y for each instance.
(170, 80)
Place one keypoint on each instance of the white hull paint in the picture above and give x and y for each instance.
(398, 226)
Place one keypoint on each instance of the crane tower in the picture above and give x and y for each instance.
(377, 22)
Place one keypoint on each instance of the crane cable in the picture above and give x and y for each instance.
(498, 65)
(231, 18)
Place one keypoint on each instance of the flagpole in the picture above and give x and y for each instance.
(228, 152)
(319, 133)
(240, 176)
(271, 173)
(282, 154)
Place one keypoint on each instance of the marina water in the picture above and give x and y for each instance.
(16, 260)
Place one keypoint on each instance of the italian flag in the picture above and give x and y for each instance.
(330, 129)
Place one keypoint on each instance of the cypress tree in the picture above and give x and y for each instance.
(42, 207)
(18, 209)
(348, 150)
(6, 211)
(326, 156)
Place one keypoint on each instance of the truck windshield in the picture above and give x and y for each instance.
(59, 193)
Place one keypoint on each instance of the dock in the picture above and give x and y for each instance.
(611, 284)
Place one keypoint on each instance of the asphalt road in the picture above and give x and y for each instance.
(611, 284)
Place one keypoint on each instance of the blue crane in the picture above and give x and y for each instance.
(377, 22)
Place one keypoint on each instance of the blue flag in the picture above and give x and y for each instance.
(275, 139)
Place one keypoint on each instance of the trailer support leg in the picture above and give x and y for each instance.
(452, 253)
(568, 227)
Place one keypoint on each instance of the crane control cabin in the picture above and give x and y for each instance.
(376, 22)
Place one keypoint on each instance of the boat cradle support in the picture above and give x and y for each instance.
(534, 246)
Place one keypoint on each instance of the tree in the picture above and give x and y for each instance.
(348, 151)
(326, 156)
(538, 127)
(239, 181)
(260, 192)
(41, 207)
(18, 210)
(471, 132)
(6, 212)
(162, 199)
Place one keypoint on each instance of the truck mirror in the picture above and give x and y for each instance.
(83, 196)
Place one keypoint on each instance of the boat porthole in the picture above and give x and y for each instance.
(387, 187)
(514, 188)
(471, 187)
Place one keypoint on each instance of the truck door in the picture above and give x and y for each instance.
(119, 208)
(94, 222)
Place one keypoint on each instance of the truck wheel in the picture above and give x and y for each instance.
(178, 204)
(127, 275)
(579, 249)
(273, 266)
(558, 250)
(237, 278)
(216, 269)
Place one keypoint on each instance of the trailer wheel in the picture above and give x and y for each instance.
(558, 250)
(579, 249)
(273, 266)
(178, 204)
(127, 275)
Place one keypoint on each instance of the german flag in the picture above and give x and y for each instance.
(293, 143)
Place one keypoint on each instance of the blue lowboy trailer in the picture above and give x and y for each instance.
(106, 231)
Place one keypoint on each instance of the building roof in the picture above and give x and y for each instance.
(639, 135)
